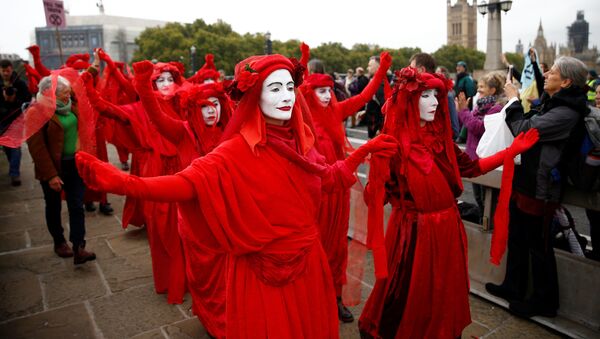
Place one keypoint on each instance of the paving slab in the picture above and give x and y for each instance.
(12, 241)
(20, 292)
(153, 334)
(36, 260)
(487, 314)
(125, 272)
(189, 328)
(73, 284)
(133, 311)
(516, 328)
(67, 322)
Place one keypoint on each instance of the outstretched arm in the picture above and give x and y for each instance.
(170, 128)
(351, 105)
(125, 84)
(104, 107)
(104, 177)
(522, 143)
(37, 60)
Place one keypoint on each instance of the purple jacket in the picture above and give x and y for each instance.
(473, 121)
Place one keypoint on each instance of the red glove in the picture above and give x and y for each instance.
(382, 145)
(37, 60)
(523, 142)
(385, 61)
(106, 58)
(143, 70)
(99, 175)
(102, 176)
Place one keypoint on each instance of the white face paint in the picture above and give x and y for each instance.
(277, 97)
(211, 115)
(164, 82)
(324, 95)
(208, 81)
(428, 104)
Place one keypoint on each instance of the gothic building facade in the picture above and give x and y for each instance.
(462, 23)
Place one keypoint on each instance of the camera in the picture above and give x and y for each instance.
(10, 91)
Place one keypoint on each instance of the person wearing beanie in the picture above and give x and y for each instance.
(422, 290)
(327, 116)
(256, 198)
(208, 73)
(152, 155)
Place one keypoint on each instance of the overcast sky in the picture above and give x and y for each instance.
(388, 23)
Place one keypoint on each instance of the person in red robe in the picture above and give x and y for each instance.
(422, 291)
(208, 110)
(327, 115)
(152, 155)
(256, 198)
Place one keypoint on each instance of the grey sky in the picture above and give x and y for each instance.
(389, 23)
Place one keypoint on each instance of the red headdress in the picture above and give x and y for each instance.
(402, 121)
(78, 61)
(192, 100)
(208, 71)
(171, 67)
(324, 115)
(248, 119)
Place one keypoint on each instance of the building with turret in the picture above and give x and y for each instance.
(546, 53)
(462, 23)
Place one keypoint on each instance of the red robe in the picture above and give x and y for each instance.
(334, 212)
(426, 293)
(261, 209)
(153, 155)
(205, 270)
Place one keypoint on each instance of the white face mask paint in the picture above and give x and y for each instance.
(208, 81)
(212, 115)
(324, 95)
(165, 82)
(277, 97)
(428, 104)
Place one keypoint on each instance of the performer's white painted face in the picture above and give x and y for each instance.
(278, 96)
(324, 95)
(208, 81)
(428, 104)
(164, 82)
(211, 115)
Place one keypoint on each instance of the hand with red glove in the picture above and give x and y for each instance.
(104, 177)
(382, 145)
(143, 69)
(37, 60)
(385, 62)
(99, 175)
(523, 142)
(106, 58)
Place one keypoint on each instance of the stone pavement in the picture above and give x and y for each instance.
(44, 296)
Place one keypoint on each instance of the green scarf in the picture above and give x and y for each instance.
(62, 108)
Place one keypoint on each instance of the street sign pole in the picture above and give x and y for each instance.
(59, 43)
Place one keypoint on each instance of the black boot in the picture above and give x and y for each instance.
(90, 207)
(500, 291)
(344, 313)
(106, 209)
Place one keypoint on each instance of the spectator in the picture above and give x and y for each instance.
(451, 105)
(373, 108)
(544, 67)
(593, 215)
(14, 95)
(316, 66)
(464, 83)
(53, 151)
(423, 62)
(593, 82)
(350, 78)
(537, 188)
(490, 101)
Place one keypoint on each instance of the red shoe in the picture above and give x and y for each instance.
(63, 250)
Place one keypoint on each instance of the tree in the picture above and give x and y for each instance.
(515, 59)
(449, 55)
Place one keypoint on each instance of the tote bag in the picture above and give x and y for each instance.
(497, 136)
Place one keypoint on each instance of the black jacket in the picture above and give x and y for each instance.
(541, 174)
(9, 111)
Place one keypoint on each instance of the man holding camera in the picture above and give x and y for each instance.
(14, 95)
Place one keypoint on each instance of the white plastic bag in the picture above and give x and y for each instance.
(497, 136)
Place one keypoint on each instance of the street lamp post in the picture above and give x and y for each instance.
(193, 59)
(268, 44)
(494, 34)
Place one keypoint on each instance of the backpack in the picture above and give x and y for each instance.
(584, 168)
